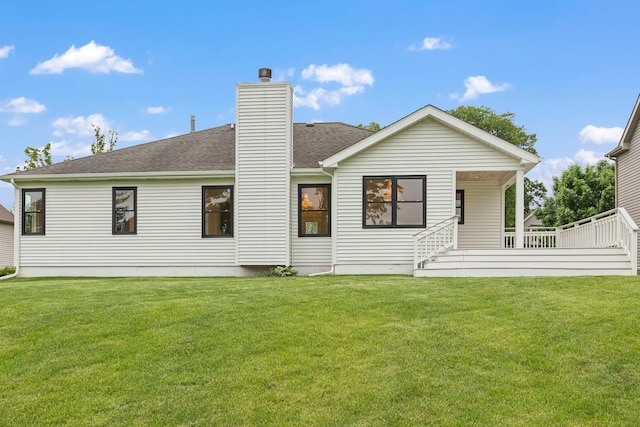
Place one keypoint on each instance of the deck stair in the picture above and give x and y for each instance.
(527, 262)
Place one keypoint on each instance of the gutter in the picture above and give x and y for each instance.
(322, 273)
(11, 276)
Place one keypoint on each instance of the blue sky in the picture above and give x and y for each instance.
(569, 70)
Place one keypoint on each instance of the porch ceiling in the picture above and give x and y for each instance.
(482, 175)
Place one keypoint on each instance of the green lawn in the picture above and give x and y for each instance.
(352, 350)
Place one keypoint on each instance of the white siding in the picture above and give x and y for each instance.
(482, 226)
(427, 148)
(628, 181)
(264, 129)
(169, 227)
(6, 244)
(308, 251)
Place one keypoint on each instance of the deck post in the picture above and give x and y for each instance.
(519, 209)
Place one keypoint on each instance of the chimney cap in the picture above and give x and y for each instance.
(264, 74)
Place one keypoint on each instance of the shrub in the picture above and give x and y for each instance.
(280, 271)
(7, 270)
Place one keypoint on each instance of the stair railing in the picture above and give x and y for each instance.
(435, 240)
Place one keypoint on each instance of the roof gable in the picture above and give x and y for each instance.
(629, 130)
(526, 158)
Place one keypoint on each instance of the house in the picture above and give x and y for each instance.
(6, 237)
(264, 191)
(532, 221)
(627, 159)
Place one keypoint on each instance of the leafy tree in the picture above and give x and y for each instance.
(37, 157)
(503, 126)
(99, 145)
(371, 126)
(500, 125)
(579, 193)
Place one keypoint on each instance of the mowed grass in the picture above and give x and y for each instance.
(344, 350)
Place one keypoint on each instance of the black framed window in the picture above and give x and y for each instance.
(125, 205)
(460, 206)
(217, 211)
(33, 205)
(314, 210)
(394, 201)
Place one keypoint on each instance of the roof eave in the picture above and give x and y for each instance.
(628, 132)
(118, 175)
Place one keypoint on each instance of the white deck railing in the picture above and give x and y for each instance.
(534, 237)
(613, 228)
(434, 240)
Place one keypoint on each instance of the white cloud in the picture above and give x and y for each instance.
(144, 135)
(340, 73)
(22, 105)
(65, 148)
(17, 121)
(157, 110)
(601, 135)
(352, 81)
(319, 96)
(92, 57)
(478, 85)
(80, 125)
(282, 75)
(588, 157)
(4, 51)
(432, 43)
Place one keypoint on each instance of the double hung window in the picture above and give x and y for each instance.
(124, 210)
(217, 211)
(33, 211)
(314, 214)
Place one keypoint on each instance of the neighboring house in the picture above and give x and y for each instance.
(6, 237)
(531, 221)
(627, 158)
(235, 199)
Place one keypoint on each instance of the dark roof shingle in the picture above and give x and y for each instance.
(207, 150)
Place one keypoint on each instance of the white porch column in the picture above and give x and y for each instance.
(519, 209)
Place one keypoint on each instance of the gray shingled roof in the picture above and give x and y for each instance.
(207, 150)
(5, 215)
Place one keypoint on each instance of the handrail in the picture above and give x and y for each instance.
(590, 219)
(628, 237)
(435, 225)
(438, 238)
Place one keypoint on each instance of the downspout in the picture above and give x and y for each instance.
(16, 243)
(322, 273)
